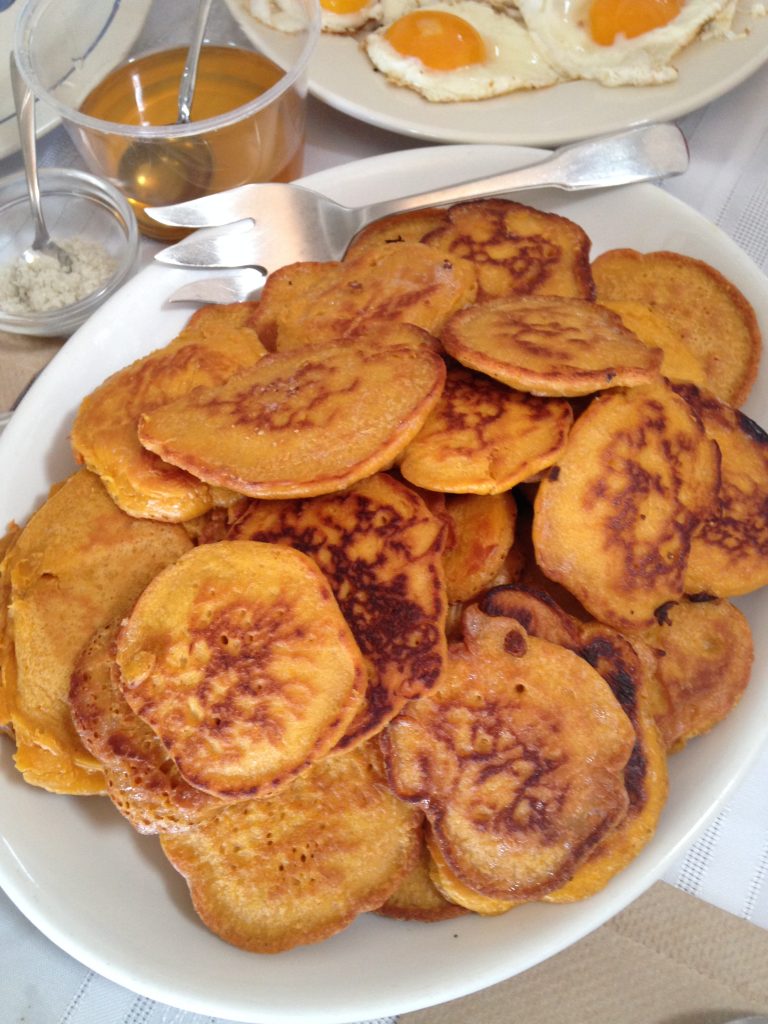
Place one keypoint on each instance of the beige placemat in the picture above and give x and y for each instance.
(669, 958)
(21, 357)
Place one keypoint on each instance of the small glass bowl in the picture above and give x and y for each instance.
(76, 205)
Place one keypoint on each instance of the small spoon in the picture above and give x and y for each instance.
(42, 245)
(172, 170)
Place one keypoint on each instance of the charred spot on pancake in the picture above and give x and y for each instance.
(753, 430)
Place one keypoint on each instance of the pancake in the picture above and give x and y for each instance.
(482, 529)
(409, 226)
(704, 656)
(303, 423)
(729, 550)
(381, 551)
(79, 563)
(678, 361)
(548, 345)
(713, 318)
(317, 304)
(482, 437)
(613, 520)
(645, 774)
(269, 875)
(240, 660)
(142, 781)
(216, 342)
(518, 759)
(417, 898)
(515, 249)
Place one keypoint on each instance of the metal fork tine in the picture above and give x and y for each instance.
(216, 247)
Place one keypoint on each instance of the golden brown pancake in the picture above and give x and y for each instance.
(417, 898)
(268, 875)
(518, 759)
(409, 226)
(704, 656)
(482, 437)
(729, 550)
(216, 343)
(79, 563)
(317, 304)
(381, 551)
(613, 520)
(7, 656)
(482, 529)
(240, 660)
(645, 775)
(303, 423)
(455, 891)
(548, 345)
(679, 362)
(516, 249)
(142, 781)
(713, 318)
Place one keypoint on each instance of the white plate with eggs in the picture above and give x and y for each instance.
(342, 76)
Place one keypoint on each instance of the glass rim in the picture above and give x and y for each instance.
(24, 28)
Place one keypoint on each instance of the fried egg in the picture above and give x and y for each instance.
(458, 51)
(617, 42)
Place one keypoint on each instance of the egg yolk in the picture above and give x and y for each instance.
(629, 18)
(441, 41)
(343, 6)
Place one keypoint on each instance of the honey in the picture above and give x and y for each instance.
(263, 146)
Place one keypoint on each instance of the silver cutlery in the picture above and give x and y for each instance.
(42, 244)
(221, 290)
(271, 224)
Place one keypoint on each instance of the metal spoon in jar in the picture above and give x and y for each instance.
(153, 171)
(24, 101)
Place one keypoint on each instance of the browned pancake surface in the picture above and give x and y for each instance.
(713, 318)
(325, 303)
(729, 551)
(217, 342)
(483, 437)
(239, 659)
(268, 875)
(518, 759)
(613, 520)
(306, 422)
(548, 345)
(380, 549)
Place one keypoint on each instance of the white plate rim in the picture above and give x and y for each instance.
(449, 949)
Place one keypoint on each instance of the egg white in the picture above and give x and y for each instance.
(290, 16)
(560, 29)
(513, 60)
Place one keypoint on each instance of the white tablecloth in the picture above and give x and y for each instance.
(728, 865)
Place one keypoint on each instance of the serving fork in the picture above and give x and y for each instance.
(269, 225)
